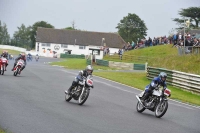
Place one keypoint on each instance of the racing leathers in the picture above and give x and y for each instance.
(5, 55)
(156, 82)
(78, 78)
(18, 58)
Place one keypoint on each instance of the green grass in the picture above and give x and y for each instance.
(73, 63)
(134, 79)
(164, 56)
(13, 52)
(139, 80)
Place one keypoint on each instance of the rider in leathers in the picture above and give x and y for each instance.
(5, 55)
(79, 77)
(157, 81)
(21, 56)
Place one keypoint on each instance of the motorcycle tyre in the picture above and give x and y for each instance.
(87, 95)
(137, 107)
(164, 111)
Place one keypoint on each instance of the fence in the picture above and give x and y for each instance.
(72, 56)
(12, 48)
(129, 58)
(188, 50)
(183, 80)
(121, 65)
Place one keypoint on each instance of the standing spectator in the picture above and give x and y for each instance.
(150, 41)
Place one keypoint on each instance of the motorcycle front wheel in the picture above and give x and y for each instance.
(140, 107)
(16, 72)
(82, 98)
(161, 109)
(67, 97)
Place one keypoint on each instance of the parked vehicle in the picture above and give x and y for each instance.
(81, 91)
(157, 102)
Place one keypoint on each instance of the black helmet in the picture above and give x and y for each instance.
(163, 76)
(89, 69)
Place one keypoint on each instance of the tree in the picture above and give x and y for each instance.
(131, 28)
(22, 36)
(193, 13)
(34, 29)
(69, 28)
(4, 36)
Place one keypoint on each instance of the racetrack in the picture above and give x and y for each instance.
(33, 102)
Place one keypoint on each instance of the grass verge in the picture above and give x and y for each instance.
(78, 64)
(134, 79)
(13, 52)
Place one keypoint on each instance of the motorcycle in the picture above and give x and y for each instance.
(36, 58)
(29, 58)
(3, 62)
(81, 91)
(157, 102)
(18, 67)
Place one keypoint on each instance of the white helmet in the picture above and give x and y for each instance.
(89, 69)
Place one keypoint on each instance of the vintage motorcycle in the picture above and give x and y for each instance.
(36, 58)
(157, 102)
(81, 91)
(18, 67)
(3, 62)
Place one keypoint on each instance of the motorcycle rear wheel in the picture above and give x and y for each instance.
(139, 107)
(3, 69)
(161, 109)
(82, 98)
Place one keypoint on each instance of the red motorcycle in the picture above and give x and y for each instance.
(3, 62)
(18, 67)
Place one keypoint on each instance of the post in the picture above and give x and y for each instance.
(184, 35)
(91, 58)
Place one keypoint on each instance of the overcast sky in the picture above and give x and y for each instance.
(93, 15)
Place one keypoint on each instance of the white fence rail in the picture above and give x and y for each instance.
(183, 80)
(12, 48)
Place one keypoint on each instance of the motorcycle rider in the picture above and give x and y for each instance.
(37, 57)
(21, 56)
(5, 55)
(157, 81)
(79, 77)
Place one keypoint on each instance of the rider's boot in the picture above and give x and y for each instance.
(146, 96)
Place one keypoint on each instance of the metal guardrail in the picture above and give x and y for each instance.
(183, 80)
(72, 56)
(102, 62)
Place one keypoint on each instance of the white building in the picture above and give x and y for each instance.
(49, 41)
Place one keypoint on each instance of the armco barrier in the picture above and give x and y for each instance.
(102, 62)
(72, 56)
(121, 65)
(12, 48)
(139, 66)
(183, 80)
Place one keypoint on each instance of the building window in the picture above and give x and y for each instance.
(46, 44)
(43, 44)
(82, 47)
(64, 46)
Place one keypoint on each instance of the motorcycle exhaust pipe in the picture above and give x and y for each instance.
(139, 100)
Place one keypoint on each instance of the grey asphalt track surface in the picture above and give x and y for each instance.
(33, 102)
